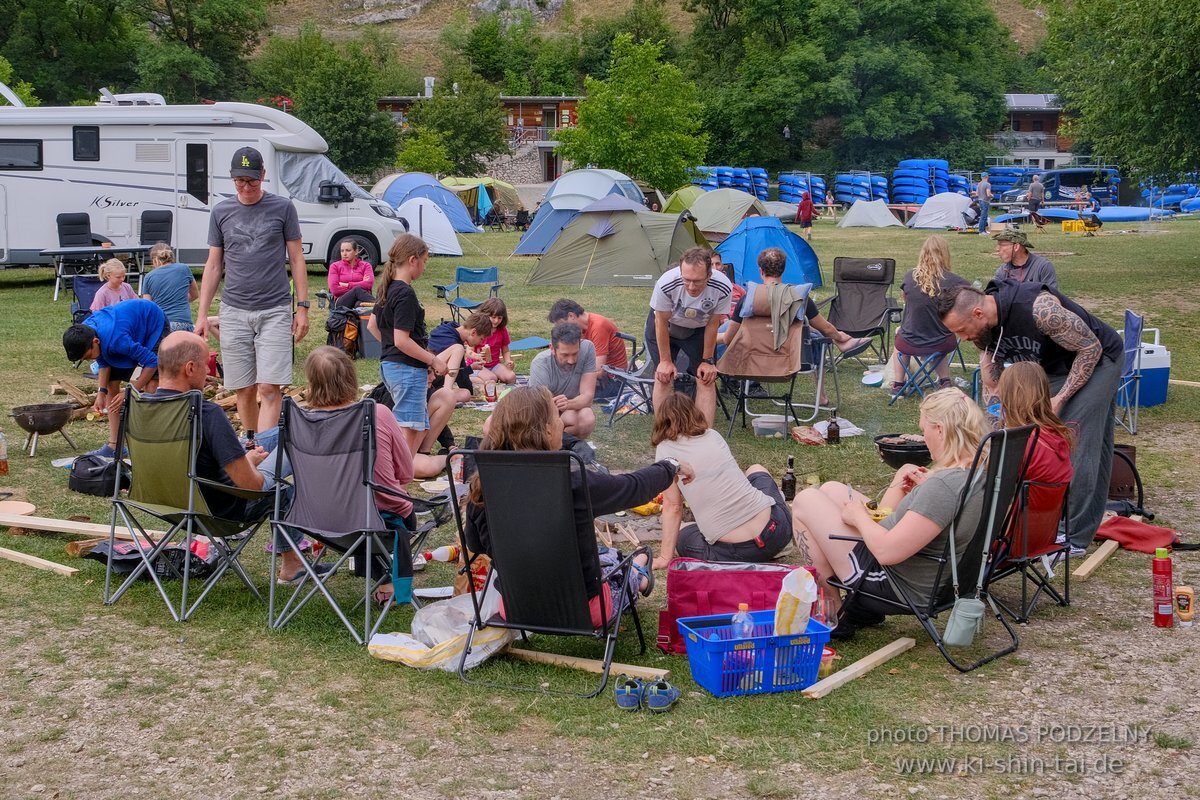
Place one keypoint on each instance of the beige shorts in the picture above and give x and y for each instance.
(256, 346)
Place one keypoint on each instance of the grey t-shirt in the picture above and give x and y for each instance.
(921, 326)
(545, 371)
(255, 239)
(1037, 269)
(936, 499)
(1037, 191)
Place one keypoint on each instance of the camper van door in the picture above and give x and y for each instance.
(193, 200)
(3, 228)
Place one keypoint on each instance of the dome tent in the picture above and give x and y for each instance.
(720, 211)
(615, 242)
(755, 234)
(682, 198)
(563, 200)
(427, 220)
(396, 189)
(869, 214)
(943, 210)
(500, 194)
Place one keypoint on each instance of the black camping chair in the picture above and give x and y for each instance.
(635, 383)
(529, 503)
(75, 230)
(863, 304)
(156, 226)
(1006, 453)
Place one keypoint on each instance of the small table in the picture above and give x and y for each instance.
(95, 254)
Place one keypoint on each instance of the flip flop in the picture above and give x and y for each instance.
(855, 347)
(322, 571)
(629, 692)
(660, 696)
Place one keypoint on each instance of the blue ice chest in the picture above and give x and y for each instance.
(1156, 372)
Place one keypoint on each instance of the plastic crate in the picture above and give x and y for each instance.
(728, 666)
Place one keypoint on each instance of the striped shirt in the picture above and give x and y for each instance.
(671, 295)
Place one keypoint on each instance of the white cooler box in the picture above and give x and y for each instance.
(1156, 371)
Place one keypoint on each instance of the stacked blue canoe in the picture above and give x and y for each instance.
(792, 185)
(706, 177)
(851, 186)
(752, 180)
(758, 179)
(915, 180)
(959, 184)
(1004, 178)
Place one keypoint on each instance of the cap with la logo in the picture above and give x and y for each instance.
(247, 163)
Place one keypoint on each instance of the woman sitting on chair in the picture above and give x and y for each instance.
(921, 331)
(527, 419)
(740, 516)
(925, 503)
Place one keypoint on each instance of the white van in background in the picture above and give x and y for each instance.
(133, 153)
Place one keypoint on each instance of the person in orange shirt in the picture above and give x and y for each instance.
(601, 332)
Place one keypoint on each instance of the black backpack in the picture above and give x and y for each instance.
(94, 475)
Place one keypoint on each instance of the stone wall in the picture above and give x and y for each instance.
(523, 166)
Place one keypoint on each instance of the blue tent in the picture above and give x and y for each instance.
(547, 223)
(396, 189)
(755, 234)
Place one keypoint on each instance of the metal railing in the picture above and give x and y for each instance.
(1019, 140)
(522, 134)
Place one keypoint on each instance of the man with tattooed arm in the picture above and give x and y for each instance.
(1025, 321)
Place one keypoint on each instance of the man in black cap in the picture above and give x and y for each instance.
(1083, 358)
(1019, 264)
(250, 239)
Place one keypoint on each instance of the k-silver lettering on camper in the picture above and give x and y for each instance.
(108, 201)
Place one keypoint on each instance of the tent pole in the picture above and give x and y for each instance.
(591, 258)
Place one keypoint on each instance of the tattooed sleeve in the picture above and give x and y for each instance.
(1070, 333)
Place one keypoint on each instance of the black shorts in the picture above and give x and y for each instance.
(806, 223)
(125, 374)
(691, 346)
(873, 580)
(775, 535)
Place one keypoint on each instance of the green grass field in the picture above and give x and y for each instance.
(78, 672)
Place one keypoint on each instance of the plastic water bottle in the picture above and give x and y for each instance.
(740, 662)
(743, 624)
(3, 454)
(446, 553)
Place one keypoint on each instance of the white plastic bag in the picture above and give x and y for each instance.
(796, 596)
(439, 634)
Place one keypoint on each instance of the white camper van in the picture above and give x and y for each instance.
(130, 154)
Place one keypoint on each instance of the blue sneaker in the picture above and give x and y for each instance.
(660, 696)
(108, 451)
(629, 692)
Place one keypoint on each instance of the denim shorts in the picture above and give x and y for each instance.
(407, 385)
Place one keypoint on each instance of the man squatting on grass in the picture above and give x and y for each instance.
(250, 238)
(1083, 357)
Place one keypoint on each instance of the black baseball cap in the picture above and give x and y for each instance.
(247, 163)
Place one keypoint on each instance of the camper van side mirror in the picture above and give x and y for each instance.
(331, 192)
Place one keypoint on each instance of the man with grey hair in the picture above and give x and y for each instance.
(568, 370)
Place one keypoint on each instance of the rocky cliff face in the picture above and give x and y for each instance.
(373, 12)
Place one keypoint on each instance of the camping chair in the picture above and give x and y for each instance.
(468, 277)
(84, 287)
(522, 221)
(635, 384)
(1030, 546)
(1006, 450)
(163, 437)
(751, 356)
(863, 304)
(1129, 389)
(332, 455)
(75, 230)
(535, 553)
(919, 378)
(156, 226)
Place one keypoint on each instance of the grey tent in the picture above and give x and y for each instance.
(943, 210)
(615, 242)
(869, 214)
(781, 210)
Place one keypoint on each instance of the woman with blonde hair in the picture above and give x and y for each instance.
(921, 331)
(925, 501)
(172, 287)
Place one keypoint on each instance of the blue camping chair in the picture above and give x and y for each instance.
(477, 277)
(84, 288)
(919, 378)
(1129, 389)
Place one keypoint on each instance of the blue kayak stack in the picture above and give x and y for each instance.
(752, 180)
(915, 180)
(758, 180)
(849, 187)
(792, 185)
(959, 184)
(705, 177)
(1004, 178)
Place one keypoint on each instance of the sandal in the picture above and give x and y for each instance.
(629, 693)
(384, 597)
(854, 346)
(660, 696)
(322, 571)
(644, 571)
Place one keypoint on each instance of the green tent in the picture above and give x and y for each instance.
(615, 242)
(718, 212)
(503, 195)
(682, 198)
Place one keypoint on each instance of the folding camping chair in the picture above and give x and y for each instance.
(84, 287)
(530, 512)
(477, 278)
(332, 456)
(163, 437)
(751, 356)
(156, 226)
(74, 230)
(1129, 389)
(1006, 451)
(920, 378)
(1030, 546)
(863, 304)
(635, 384)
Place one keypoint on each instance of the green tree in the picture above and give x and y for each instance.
(23, 89)
(644, 21)
(338, 98)
(1127, 75)
(644, 120)
(284, 60)
(466, 113)
(424, 151)
(69, 50)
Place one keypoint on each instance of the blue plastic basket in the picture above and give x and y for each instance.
(729, 666)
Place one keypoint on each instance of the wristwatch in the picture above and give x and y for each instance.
(303, 304)
(709, 360)
(674, 462)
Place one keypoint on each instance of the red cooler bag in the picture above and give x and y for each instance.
(698, 588)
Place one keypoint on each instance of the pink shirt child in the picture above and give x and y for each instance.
(107, 296)
(360, 275)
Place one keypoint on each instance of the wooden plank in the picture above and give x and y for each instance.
(859, 668)
(37, 563)
(81, 547)
(588, 664)
(80, 397)
(66, 526)
(1193, 384)
(1103, 553)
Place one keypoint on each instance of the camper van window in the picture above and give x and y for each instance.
(303, 173)
(197, 171)
(86, 142)
(21, 154)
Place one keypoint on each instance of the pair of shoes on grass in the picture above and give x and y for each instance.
(633, 694)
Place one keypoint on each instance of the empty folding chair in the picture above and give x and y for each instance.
(156, 226)
(1129, 389)
(84, 288)
(635, 384)
(74, 230)
(477, 279)
(863, 305)
(1031, 546)
(163, 438)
